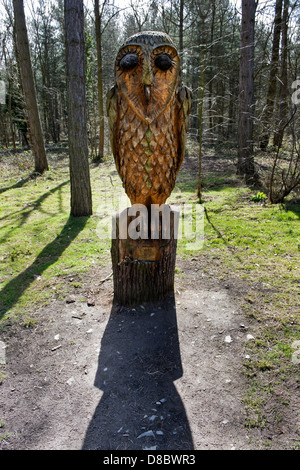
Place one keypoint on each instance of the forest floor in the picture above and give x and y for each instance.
(214, 366)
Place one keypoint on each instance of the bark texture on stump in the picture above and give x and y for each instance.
(143, 269)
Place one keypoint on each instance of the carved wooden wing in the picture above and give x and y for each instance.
(111, 109)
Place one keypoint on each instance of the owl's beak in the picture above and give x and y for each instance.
(147, 89)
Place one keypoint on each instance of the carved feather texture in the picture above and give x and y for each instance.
(148, 138)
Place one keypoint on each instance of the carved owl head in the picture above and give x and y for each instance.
(147, 72)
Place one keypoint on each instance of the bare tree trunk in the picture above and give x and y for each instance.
(211, 81)
(246, 167)
(181, 20)
(233, 85)
(81, 198)
(269, 109)
(28, 86)
(12, 130)
(98, 19)
(11, 124)
(200, 114)
(203, 50)
(4, 134)
(283, 107)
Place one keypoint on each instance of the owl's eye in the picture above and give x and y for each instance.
(163, 62)
(129, 61)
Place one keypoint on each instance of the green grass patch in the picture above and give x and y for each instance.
(40, 242)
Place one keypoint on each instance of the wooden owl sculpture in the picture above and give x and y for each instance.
(148, 110)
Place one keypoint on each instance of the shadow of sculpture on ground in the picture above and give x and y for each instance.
(139, 361)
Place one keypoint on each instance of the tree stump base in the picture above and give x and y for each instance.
(144, 266)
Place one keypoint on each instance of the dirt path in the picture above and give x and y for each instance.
(160, 376)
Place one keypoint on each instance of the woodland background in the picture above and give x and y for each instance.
(240, 60)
